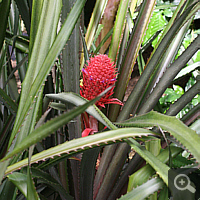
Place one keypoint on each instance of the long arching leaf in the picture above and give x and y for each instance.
(144, 190)
(186, 136)
(73, 146)
(49, 127)
(77, 100)
(55, 49)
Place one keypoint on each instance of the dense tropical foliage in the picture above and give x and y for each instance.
(142, 120)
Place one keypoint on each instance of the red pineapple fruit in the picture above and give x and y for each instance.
(98, 76)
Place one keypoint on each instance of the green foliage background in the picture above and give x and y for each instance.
(42, 153)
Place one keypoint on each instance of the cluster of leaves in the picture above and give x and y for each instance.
(65, 165)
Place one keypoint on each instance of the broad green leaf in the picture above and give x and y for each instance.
(186, 136)
(156, 24)
(184, 99)
(196, 57)
(169, 96)
(31, 191)
(42, 41)
(3, 166)
(196, 126)
(181, 161)
(179, 9)
(7, 189)
(58, 106)
(24, 183)
(78, 100)
(36, 15)
(178, 89)
(154, 146)
(143, 191)
(48, 128)
(160, 168)
(20, 180)
(187, 70)
(55, 49)
(143, 174)
(74, 146)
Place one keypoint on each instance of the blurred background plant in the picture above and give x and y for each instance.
(43, 47)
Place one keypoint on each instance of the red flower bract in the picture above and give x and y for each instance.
(97, 76)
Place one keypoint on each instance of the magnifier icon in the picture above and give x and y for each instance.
(182, 182)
